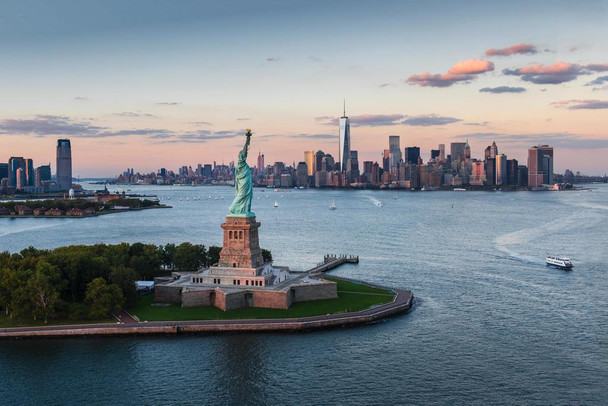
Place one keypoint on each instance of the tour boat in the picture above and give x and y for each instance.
(276, 204)
(332, 205)
(560, 262)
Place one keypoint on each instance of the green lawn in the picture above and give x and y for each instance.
(7, 322)
(351, 297)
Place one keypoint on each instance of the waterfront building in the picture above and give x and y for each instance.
(327, 163)
(352, 169)
(344, 141)
(64, 164)
(319, 155)
(302, 174)
(501, 169)
(309, 158)
(512, 171)
(286, 180)
(478, 174)
(522, 175)
(386, 160)
(536, 173)
(547, 152)
(411, 155)
(3, 171)
(14, 163)
(20, 179)
(394, 150)
(29, 172)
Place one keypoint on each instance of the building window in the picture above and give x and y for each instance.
(241, 235)
(234, 264)
(246, 282)
(230, 234)
(238, 282)
(234, 282)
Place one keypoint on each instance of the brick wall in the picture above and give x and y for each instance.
(168, 294)
(272, 299)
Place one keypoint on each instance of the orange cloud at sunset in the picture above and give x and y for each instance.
(471, 66)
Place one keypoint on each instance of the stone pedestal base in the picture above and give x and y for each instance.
(241, 247)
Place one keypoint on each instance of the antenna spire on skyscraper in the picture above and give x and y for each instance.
(344, 115)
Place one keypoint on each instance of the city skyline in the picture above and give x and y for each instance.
(169, 85)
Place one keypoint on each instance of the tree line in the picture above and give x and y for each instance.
(80, 282)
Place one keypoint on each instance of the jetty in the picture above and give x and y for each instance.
(333, 261)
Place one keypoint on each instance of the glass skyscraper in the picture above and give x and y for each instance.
(344, 153)
(64, 164)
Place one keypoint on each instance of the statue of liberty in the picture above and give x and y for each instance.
(243, 185)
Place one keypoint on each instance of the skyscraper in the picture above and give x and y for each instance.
(319, 155)
(344, 152)
(309, 158)
(457, 150)
(547, 163)
(29, 172)
(15, 163)
(501, 169)
(64, 164)
(442, 152)
(394, 150)
(260, 166)
(535, 167)
(412, 154)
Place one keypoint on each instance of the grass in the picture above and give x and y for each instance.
(352, 297)
(7, 322)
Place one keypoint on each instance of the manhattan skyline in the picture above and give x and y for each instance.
(160, 85)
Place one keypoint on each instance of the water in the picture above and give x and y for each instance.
(491, 323)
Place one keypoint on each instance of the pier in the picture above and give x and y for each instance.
(333, 261)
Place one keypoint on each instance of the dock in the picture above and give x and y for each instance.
(333, 261)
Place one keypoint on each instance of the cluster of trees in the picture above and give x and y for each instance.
(80, 204)
(89, 282)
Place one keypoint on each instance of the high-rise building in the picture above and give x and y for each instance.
(547, 164)
(386, 157)
(42, 174)
(501, 169)
(319, 155)
(535, 167)
(344, 152)
(260, 166)
(478, 174)
(435, 154)
(302, 174)
(412, 154)
(64, 164)
(20, 179)
(29, 172)
(467, 150)
(491, 151)
(441, 152)
(512, 172)
(394, 150)
(457, 150)
(309, 158)
(3, 171)
(14, 163)
(352, 170)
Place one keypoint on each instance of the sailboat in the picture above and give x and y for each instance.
(276, 204)
(332, 205)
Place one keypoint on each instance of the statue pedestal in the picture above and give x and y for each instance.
(241, 247)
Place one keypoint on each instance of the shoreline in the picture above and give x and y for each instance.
(402, 303)
(64, 216)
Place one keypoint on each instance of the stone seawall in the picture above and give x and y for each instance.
(318, 291)
(401, 304)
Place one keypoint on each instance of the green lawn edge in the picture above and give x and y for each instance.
(352, 297)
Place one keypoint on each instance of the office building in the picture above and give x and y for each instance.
(14, 163)
(20, 179)
(535, 167)
(302, 174)
(412, 154)
(501, 169)
(319, 155)
(344, 141)
(64, 164)
(457, 150)
(3, 171)
(512, 172)
(309, 158)
(29, 172)
(394, 150)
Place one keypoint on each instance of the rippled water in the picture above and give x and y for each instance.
(491, 323)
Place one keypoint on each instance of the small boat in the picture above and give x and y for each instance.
(276, 204)
(460, 189)
(380, 204)
(332, 205)
(395, 197)
(559, 262)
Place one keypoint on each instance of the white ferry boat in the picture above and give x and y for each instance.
(332, 205)
(560, 262)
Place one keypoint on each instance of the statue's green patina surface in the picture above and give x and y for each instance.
(243, 185)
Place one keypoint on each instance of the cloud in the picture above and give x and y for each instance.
(81, 98)
(464, 71)
(528, 49)
(563, 140)
(576, 104)
(132, 114)
(429, 120)
(559, 72)
(385, 84)
(201, 123)
(502, 89)
(315, 59)
(272, 59)
(483, 123)
(168, 103)
(471, 67)
(314, 136)
(598, 81)
(43, 125)
(243, 119)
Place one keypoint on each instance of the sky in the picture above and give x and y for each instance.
(151, 84)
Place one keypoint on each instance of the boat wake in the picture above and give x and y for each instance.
(375, 201)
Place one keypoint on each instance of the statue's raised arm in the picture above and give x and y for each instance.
(243, 184)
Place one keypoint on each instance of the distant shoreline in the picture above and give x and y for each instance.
(63, 216)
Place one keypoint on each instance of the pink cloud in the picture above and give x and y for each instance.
(463, 71)
(471, 66)
(559, 72)
(512, 50)
(577, 104)
(437, 80)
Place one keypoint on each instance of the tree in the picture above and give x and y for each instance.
(189, 257)
(43, 291)
(102, 299)
(213, 256)
(168, 255)
(125, 278)
(266, 255)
